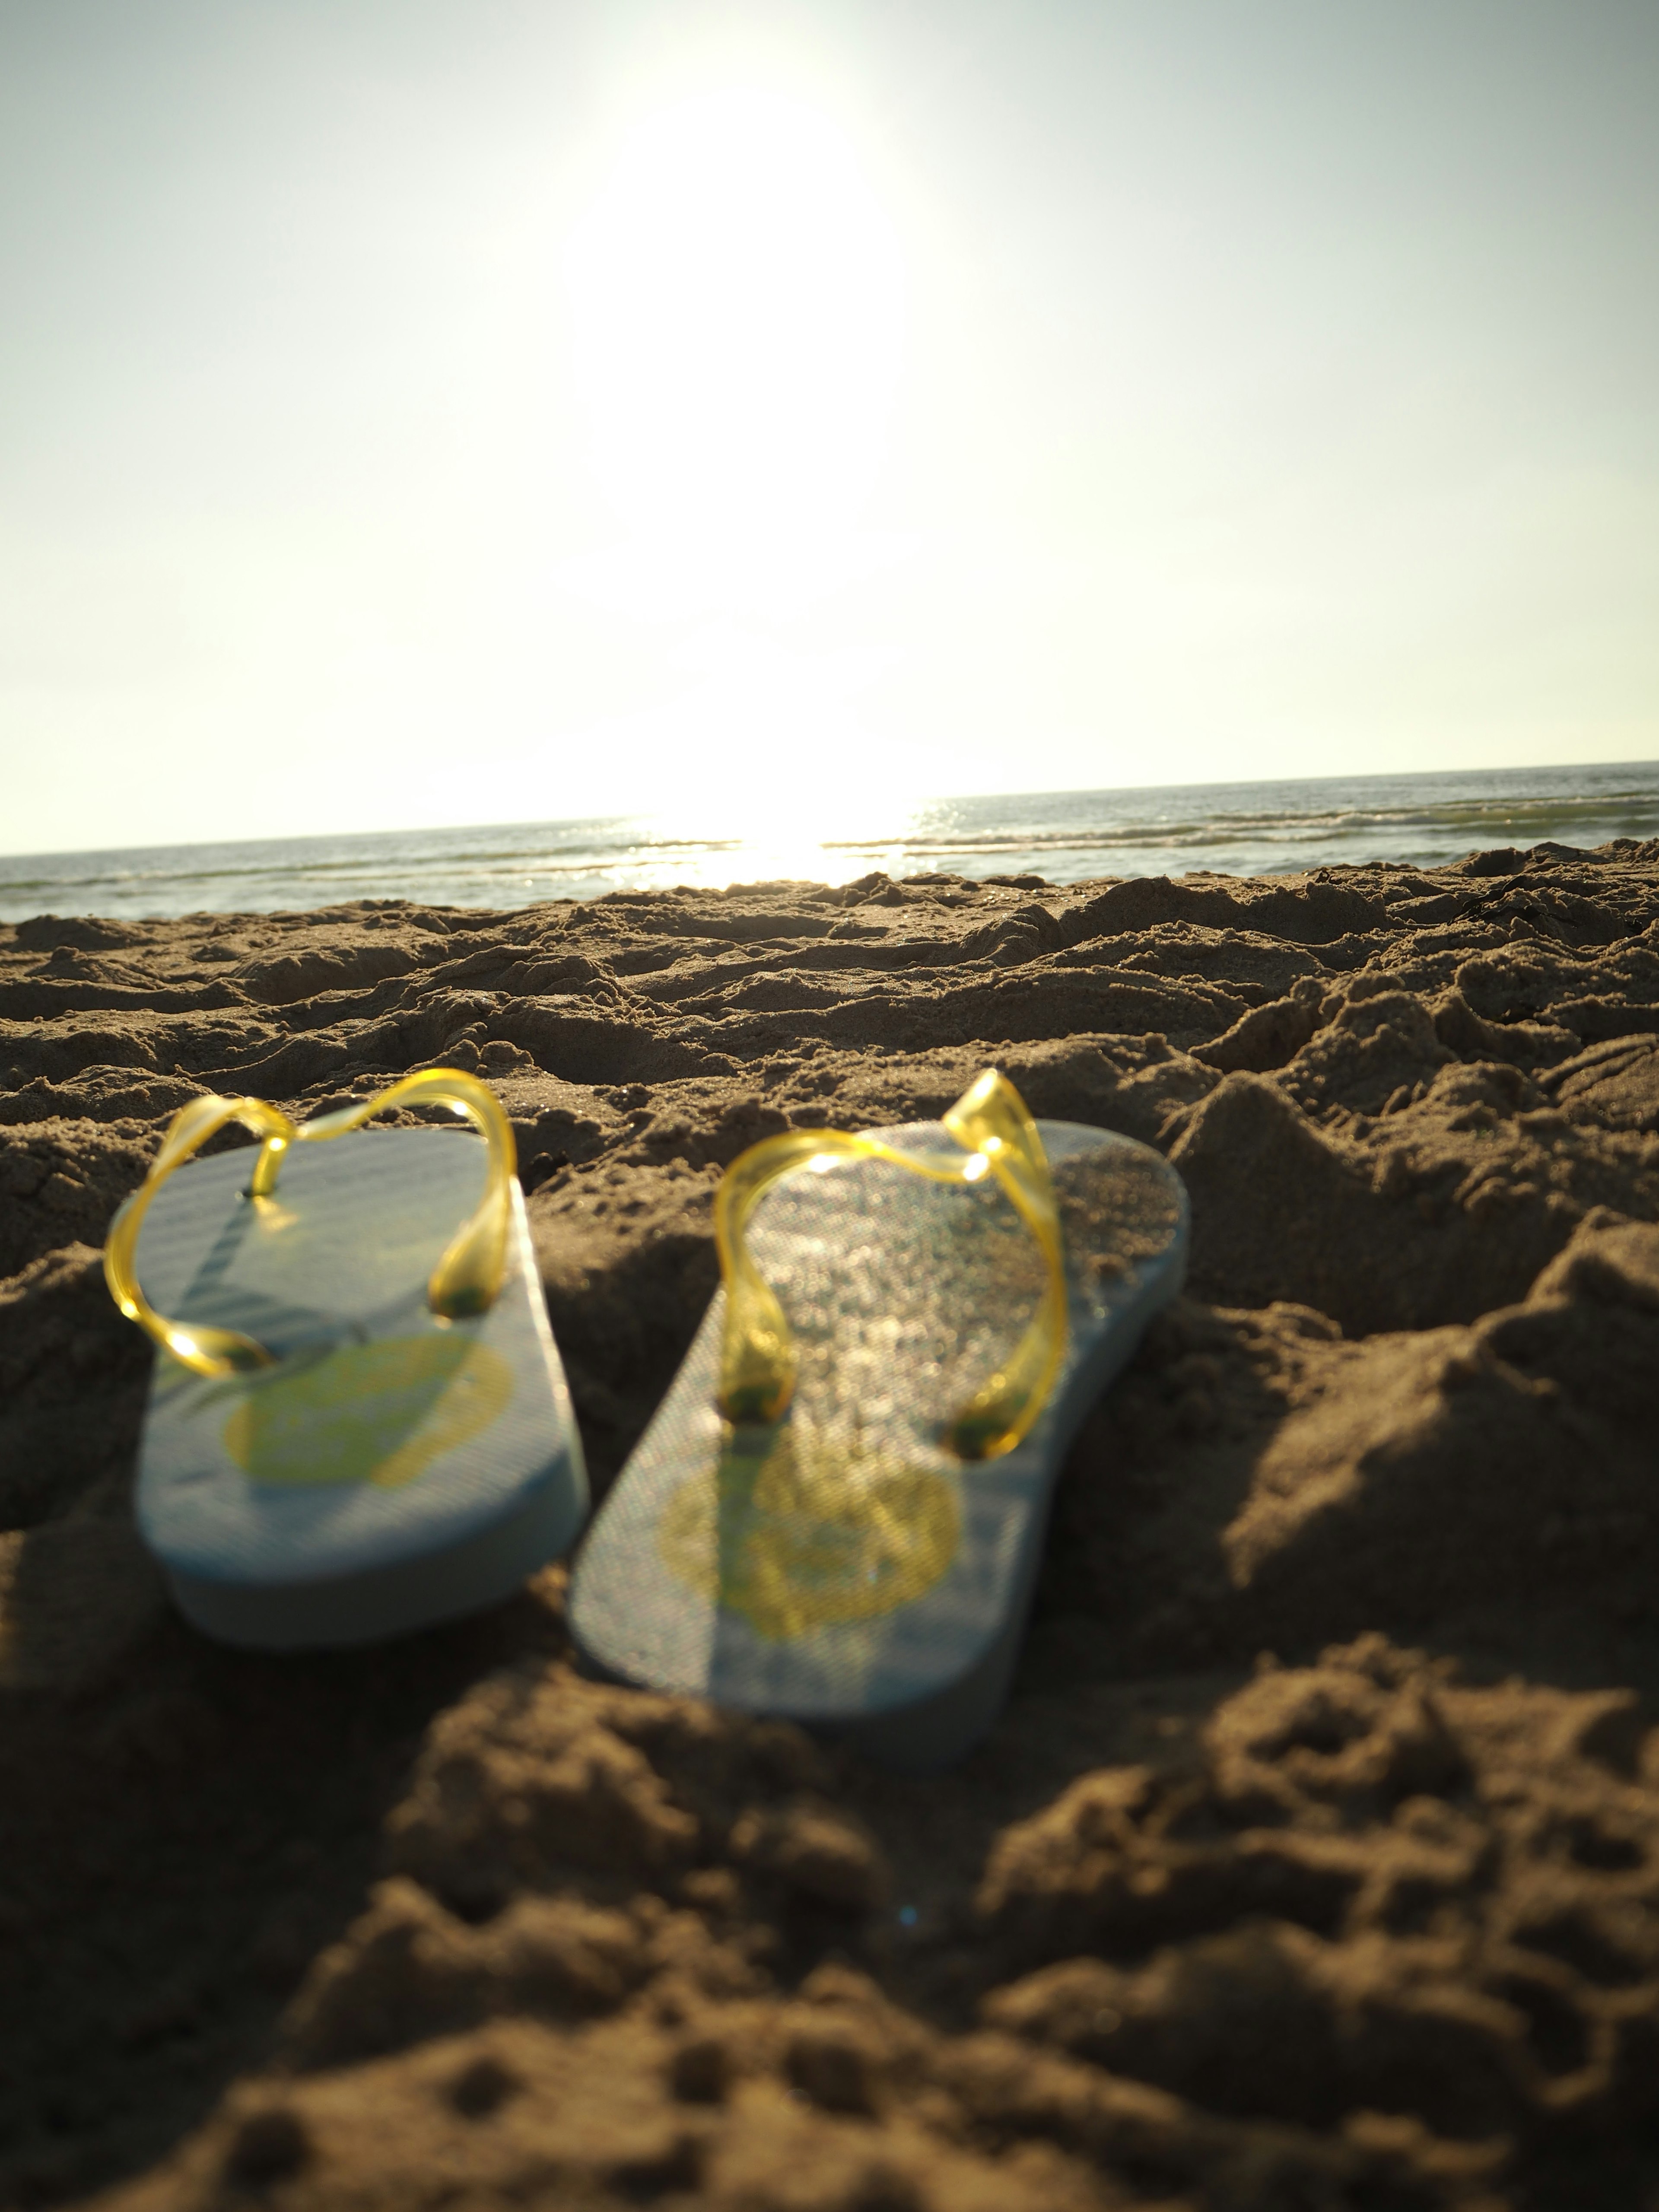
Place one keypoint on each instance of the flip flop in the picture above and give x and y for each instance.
(834, 1516)
(357, 1424)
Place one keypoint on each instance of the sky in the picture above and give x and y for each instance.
(419, 412)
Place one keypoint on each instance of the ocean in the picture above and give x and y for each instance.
(1235, 829)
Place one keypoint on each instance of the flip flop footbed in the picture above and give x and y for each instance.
(390, 1468)
(841, 1564)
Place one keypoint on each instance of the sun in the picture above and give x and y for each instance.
(736, 292)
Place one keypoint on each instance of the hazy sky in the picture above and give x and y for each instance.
(427, 411)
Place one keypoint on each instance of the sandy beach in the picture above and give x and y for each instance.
(1315, 1860)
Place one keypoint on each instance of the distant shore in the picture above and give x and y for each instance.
(1057, 837)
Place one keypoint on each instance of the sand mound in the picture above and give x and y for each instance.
(1317, 1861)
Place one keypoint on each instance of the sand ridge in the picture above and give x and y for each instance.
(1316, 1860)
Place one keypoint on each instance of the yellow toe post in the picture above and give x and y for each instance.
(998, 1137)
(466, 1279)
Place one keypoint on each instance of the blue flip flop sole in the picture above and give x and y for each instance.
(392, 1469)
(842, 1568)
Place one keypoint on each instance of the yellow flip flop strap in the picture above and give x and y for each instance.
(759, 1360)
(465, 1281)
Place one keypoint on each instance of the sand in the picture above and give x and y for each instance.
(1316, 1862)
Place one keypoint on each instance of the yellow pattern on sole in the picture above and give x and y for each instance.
(797, 1532)
(378, 1413)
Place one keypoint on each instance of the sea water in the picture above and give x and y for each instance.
(1067, 836)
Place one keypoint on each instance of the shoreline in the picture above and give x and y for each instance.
(1249, 829)
(1327, 1788)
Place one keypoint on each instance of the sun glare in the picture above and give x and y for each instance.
(737, 305)
(736, 293)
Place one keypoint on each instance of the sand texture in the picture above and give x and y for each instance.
(1315, 1862)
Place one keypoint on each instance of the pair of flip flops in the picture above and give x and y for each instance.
(359, 1424)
